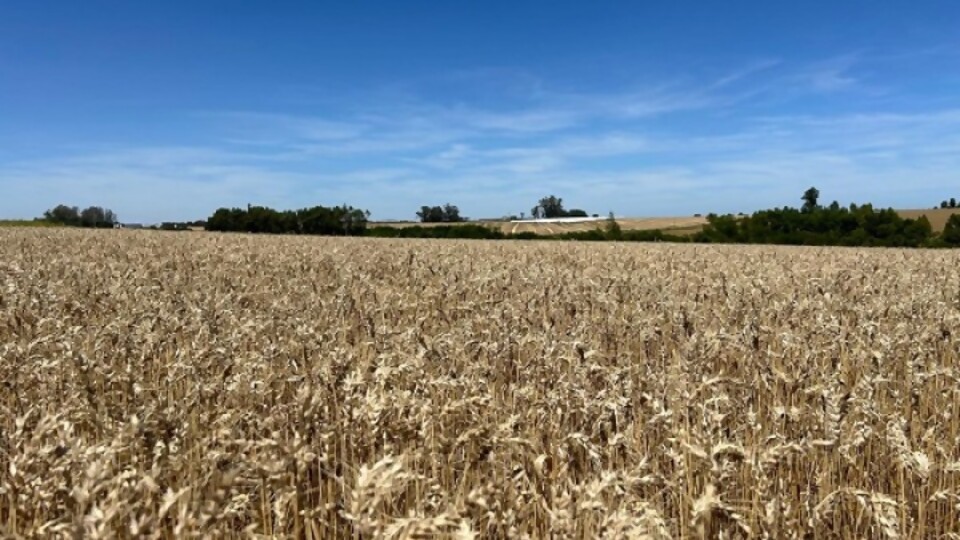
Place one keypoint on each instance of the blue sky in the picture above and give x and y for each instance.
(168, 110)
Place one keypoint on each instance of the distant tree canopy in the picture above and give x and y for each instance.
(952, 203)
(63, 214)
(94, 216)
(447, 213)
(822, 226)
(552, 207)
(336, 221)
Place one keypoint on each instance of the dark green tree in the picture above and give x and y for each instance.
(451, 214)
(447, 213)
(810, 198)
(549, 207)
(430, 214)
(951, 231)
(97, 217)
(63, 215)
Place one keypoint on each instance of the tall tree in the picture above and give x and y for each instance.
(810, 198)
(549, 207)
(451, 214)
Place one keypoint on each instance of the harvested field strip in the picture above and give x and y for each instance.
(684, 224)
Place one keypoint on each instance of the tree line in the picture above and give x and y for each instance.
(832, 225)
(72, 216)
(810, 224)
(447, 213)
(334, 221)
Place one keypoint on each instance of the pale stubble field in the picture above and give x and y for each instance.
(163, 385)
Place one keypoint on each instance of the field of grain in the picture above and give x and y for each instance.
(673, 225)
(160, 385)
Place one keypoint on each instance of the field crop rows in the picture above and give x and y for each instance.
(161, 385)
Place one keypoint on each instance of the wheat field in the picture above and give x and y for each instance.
(162, 385)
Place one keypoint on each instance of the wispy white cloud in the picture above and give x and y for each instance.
(745, 72)
(247, 127)
(832, 75)
(662, 148)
